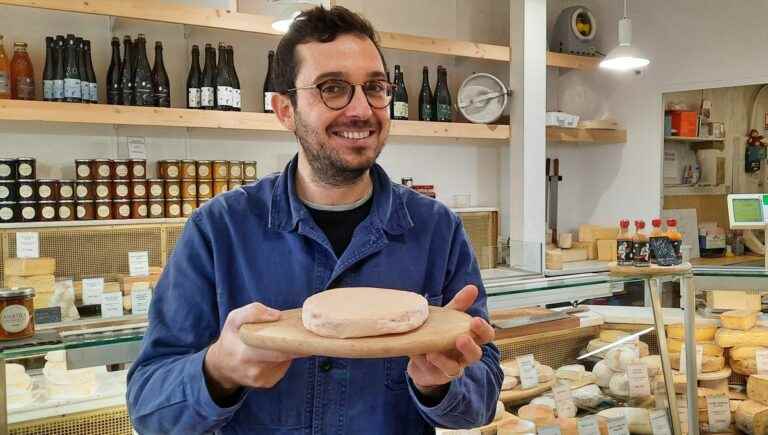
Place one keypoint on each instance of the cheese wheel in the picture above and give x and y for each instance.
(752, 418)
(603, 373)
(757, 336)
(547, 401)
(653, 362)
(509, 383)
(546, 373)
(709, 364)
(540, 415)
(516, 426)
(610, 335)
(571, 372)
(745, 367)
(745, 352)
(704, 331)
(588, 396)
(757, 388)
(675, 345)
(743, 320)
(619, 358)
(638, 418)
(511, 369)
(596, 343)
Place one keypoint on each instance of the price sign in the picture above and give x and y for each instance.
(93, 288)
(719, 413)
(618, 426)
(138, 263)
(111, 305)
(660, 422)
(563, 400)
(27, 245)
(529, 376)
(699, 358)
(588, 426)
(639, 384)
(141, 296)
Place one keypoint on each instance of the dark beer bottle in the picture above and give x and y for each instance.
(59, 64)
(400, 97)
(236, 95)
(443, 107)
(425, 98)
(93, 85)
(269, 85)
(208, 88)
(114, 84)
(73, 92)
(49, 69)
(126, 76)
(194, 80)
(142, 81)
(160, 82)
(85, 88)
(223, 82)
(392, 102)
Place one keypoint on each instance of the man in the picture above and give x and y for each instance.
(331, 219)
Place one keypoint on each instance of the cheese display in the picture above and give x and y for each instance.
(363, 312)
(710, 349)
(516, 426)
(639, 419)
(742, 320)
(757, 388)
(29, 266)
(752, 417)
(704, 331)
(708, 363)
(757, 336)
(540, 415)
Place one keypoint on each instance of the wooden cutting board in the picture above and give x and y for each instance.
(437, 334)
(535, 328)
(652, 270)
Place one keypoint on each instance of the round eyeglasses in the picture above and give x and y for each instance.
(337, 94)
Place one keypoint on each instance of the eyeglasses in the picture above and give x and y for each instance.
(337, 94)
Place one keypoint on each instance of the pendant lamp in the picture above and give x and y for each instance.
(624, 57)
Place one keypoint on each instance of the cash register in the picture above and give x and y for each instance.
(749, 211)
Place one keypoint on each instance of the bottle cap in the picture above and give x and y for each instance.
(624, 223)
(671, 222)
(656, 223)
(640, 224)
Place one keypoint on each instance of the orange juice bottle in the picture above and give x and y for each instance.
(676, 238)
(641, 246)
(625, 255)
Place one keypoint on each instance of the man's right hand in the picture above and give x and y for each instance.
(230, 364)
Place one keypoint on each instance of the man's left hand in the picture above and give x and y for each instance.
(431, 373)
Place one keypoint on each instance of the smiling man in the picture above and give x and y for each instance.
(331, 219)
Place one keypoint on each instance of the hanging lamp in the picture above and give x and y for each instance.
(624, 57)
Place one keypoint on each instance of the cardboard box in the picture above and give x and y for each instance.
(685, 123)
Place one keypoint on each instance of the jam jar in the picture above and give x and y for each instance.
(8, 190)
(204, 168)
(85, 190)
(121, 189)
(102, 169)
(84, 169)
(172, 189)
(220, 186)
(204, 189)
(234, 183)
(169, 169)
(46, 210)
(27, 211)
(47, 190)
(103, 209)
(138, 168)
(188, 207)
(249, 170)
(66, 190)
(156, 188)
(66, 210)
(156, 208)
(189, 188)
(122, 169)
(17, 308)
(86, 210)
(25, 168)
(121, 209)
(188, 169)
(103, 189)
(235, 169)
(26, 190)
(139, 188)
(173, 208)
(220, 170)
(9, 212)
(8, 169)
(139, 209)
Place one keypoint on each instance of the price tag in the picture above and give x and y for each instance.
(762, 361)
(699, 358)
(138, 263)
(141, 296)
(28, 245)
(588, 426)
(529, 376)
(660, 422)
(93, 288)
(719, 413)
(563, 400)
(549, 430)
(639, 383)
(137, 147)
(618, 426)
(111, 305)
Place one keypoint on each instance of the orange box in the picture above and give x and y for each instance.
(685, 123)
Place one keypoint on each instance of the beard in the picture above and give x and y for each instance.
(328, 165)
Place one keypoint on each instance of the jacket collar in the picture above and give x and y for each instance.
(388, 211)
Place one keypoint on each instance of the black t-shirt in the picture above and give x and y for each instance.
(339, 226)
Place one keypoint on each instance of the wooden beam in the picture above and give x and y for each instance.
(571, 61)
(401, 41)
(449, 129)
(582, 135)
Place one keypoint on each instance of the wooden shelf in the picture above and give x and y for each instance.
(572, 61)
(694, 190)
(699, 143)
(90, 223)
(585, 136)
(74, 113)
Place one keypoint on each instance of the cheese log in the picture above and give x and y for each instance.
(619, 385)
(603, 373)
(742, 320)
(709, 364)
(745, 352)
(733, 300)
(675, 345)
(606, 250)
(757, 336)
(611, 335)
(639, 419)
(29, 266)
(554, 259)
(757, 388)
(516, 426)
(752, 418)
(619, 358)
(41, 283)
(590, 247)
(704, 332)
(540, 415)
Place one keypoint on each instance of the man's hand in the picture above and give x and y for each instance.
(231, 364)
(432, 372)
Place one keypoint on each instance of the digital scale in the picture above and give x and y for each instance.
(749, 211)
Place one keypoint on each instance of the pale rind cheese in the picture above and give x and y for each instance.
(511, 369)
(745, 352)
(757, 336)
(603, 373)
(743, 320)
(619, 358)
(757, 388)
(588, 397)
(711, 349)
(752, 418)
(516, 426)
(639, 419)
(571, 372)
(609, 335)
(509, 383)
(653, 362)
(709, 364)
(540, 415)
(596, 344)
(547, 401)
(704, 331)
(619, 385)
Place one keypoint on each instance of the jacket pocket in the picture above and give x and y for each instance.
(395, 373)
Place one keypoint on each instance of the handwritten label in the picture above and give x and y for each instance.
(138, 263)
(549, 430)
(639, 384)
(660, 422)
(563, 400)
(588, 426)
(47, 315)
(529, 376)
(140, 298)
(28, 245)
(618, 426)
(93, 288)
(719, 413)
(762, 361)
(137, 147)
(699, 358)
(111, 305)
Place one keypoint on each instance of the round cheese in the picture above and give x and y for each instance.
(618, 359)
(744, 367)
(547, 401)
(743, 320)
(509, 383)
(540, 415)
(745, 352)
(639, 419)
(610, 335)
(757, 336)
(710, 349)
(704, 331)
(363, 312)
(588, 396)
(516, 426)
(709, 364)
(619, 385)
(511, 369)
(603, 373)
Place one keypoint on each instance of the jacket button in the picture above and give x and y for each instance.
(326, 366)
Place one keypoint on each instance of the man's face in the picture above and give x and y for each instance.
(340, 145)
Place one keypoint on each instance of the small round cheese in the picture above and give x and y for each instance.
(540, 415)
(516, 426)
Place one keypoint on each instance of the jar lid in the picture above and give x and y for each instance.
(67, 201)
(121, 200)
(204, 180)
(189, 180)
(7, 181)
(156, 180)
(28, 203)
(234, 162)
(169, 161)
(8, 293)
(86, 201)
(102, 160)
(8, 160)
(7, 203)
(249, 162)
(173, 201)
(46, 180)
(121, 160)
(26, 159)
(219, 161)
(140, 200)
(27, 180)
(67, 181)
(84, 181)
(203, 162)
(188, 161)
(157, 200)
(138, 160)
(103, 200)
(82, 160)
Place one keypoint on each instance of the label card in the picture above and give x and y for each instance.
(28, 245)
(111, 305)
(93, 288)
(762, 361)
(699, 358)
(618, 426)
(549, 430)
(47, 315)
(140, 299)
(660, 422)
(137, 147)
(529, 376)
(639, 383)
(563, 400)
(138, 263)
(719, 413)
(588, 426)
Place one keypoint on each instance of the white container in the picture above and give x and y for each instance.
(560, 119)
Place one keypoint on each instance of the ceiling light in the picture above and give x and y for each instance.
(624, 57)
(285, 11)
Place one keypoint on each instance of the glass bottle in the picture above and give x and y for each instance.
(114, 84)
(73, 92)
(142, 77)
(194, 80)
(5, 73)
(22, 74)
(426, 112)
(624, 245)
(641, 245)
(49, 69)
(160, 82)
(269, 85)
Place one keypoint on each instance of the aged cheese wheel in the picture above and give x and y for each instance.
(757, 336)
(603, 373)
(540, 415)
(363, 312)
(705, 331)
(709, 364)
(638, 418)
(711, 349)
(743, 320)
(752, 417)
(516, 426)
(757, 388)
(745, 367)
(509, 383)
(745, 352)
(588, 396)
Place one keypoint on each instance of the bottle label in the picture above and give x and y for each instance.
(223, 96)
(206, 96)
(193, 98)
(268, 101)
(85, 90)
(94, 94)
(4, 82)
(25, 88)
(444, 112)
(625, 255)
(72, 88)
(678, 254)
(58, 89)
(145, 97)
(642, 253)
(236, 98)
(426, 112)
(162, 97)
(401, 109)
(14, 318)
(48, 89)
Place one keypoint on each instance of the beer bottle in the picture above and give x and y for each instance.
(142, 81)
(223, 82)
(208, 88)
(442, 106)
(92, 83)
(400, 97)
(126, 75)
(58, 73)
(73, 92)
(160, 82)
(194, 80)
(236, 96)
(85, 89)
(5, 73)
(269, 85)
(391, 102)
(22, 75)
(49, 69)
(425, 97)
(114, 84)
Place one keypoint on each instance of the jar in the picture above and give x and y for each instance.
(188, 207)
(86, 210)
(121, 209)
(204, 189)
(189, 188)
(122, 169)
(233, 183)
(47, 190)
(66, 190)
(121, 189)
(9, 212)
(102, 189)
(27, 211)
(8, 169)
(17, 308)
(204, 168)
(202, 201)
(156, 188)
(25, 168)
(220, 186)
(168, 169)
(103, 209)
(235, 169)
(139, 209)
(139, 188)
(249, 170)
(84, 169)
(102, 169)
(66, 210)
(220, 170)
(172, 208)
(172, 189)
(8, 190)
(188, 169)
(85, 190)
(156, 208)
(46, 210)
(25, 190)
(138, 168)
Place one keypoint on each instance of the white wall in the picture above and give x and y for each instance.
(692, 44)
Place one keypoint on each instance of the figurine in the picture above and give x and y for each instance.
(755, 139)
